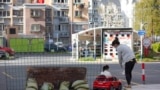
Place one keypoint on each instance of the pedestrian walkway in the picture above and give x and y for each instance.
(147, 87)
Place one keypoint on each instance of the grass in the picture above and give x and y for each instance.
(88, 59)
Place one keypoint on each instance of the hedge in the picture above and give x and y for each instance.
(27, 45)
(156, 47)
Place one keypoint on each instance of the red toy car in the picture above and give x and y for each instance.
(107, 83)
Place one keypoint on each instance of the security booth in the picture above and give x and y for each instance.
(96, 42)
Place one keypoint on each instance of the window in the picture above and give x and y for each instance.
(12, 31)
(95, 11)
(6, 1)
(20, 28)
(1, 26)
(20, 20)
(61, 27)
(2, 6)
(60, 1)
(119, 17)
(78, 27)
(95, 4)
(1, 20)
(63, 13)
(17, 13)
(56, 13)
(78, 13)
(95, 19)
(35, 13)
(4, 13)
(48, 13)
(56, 28)
(35, 27)
(77, 1)
(64, 27)
(48, 19)
(60, 13)
(48, 28)
(19, 2)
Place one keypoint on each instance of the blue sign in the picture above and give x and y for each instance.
(141, 32)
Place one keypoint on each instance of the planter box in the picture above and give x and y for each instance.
(56, 75)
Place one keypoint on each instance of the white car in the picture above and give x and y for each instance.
(59, 44)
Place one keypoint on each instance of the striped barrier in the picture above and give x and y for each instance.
(143, 73)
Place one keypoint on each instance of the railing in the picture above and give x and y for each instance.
(61, 5)
(63, 19)
(64, 34)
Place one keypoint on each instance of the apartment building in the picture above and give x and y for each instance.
(58, 19)
(26, 16)
(69, 16)
(106, 13)
(51, 19)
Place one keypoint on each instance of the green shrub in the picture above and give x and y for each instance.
(156, 47)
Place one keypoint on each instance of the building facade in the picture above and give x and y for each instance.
(58, 19)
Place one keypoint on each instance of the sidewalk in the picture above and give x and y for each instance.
(147, 87)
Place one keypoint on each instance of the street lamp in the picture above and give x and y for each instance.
(94, 41)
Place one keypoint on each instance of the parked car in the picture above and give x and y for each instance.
(107, 83)
(6, 52)
(53, 48)
(59, 44)
(69, 47)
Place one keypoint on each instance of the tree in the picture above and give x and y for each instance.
(147, 11)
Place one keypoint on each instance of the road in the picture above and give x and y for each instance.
(13, 72)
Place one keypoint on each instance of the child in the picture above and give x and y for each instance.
(105, 71)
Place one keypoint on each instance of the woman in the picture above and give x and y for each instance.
(126, 58)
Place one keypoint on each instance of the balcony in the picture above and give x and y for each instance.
(64, 34)
(63, 19)
(60, 6)
(48, 20)
(36, 13)
(18, 21)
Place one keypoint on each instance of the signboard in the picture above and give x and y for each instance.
(146, 42)
(109, 52)
(141, 32)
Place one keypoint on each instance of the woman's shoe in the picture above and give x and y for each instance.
(127, 86)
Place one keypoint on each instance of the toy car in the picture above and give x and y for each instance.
(107, 83)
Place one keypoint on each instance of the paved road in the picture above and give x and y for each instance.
(13, 72)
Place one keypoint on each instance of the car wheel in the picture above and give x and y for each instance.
(6, 56)
(119, 87)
